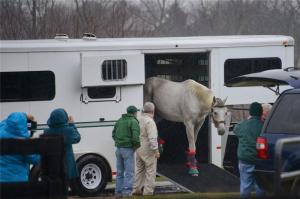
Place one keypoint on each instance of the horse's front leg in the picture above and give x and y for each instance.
(191, 159)
(198, 127)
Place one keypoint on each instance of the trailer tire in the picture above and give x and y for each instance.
(93, 176)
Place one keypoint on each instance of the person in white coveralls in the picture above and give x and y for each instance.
(147, 154)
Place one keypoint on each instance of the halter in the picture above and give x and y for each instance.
(217, 121)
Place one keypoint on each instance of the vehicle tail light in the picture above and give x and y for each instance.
(262, 148)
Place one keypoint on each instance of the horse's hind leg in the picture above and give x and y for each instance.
(191, 160)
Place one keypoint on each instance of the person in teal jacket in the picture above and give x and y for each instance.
(247, 131)
(61, 124)
(15, 168)
(126, 134)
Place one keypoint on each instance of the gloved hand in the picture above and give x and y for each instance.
(71, 119)
(157, 155)
(161, 143)
(161, 148)
(30, 117)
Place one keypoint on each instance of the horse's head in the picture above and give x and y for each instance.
(218, 114)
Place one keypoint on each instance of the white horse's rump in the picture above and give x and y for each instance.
(188, 102)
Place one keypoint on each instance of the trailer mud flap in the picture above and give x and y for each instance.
(211, 178)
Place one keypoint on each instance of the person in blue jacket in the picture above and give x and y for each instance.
(61, 124)
(15, 168)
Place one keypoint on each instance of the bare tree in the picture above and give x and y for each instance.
(175, 23)
(106, 18)
(297, 34)
(240, 17)
(90, 15)
(153, 13)
(37, 12)
(118, 20)
(12, 27)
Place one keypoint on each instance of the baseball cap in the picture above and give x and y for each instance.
(132, 109)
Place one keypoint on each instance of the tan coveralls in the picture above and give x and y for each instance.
(145, 156)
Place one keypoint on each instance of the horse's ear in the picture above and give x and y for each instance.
(224, 100)
(214, 101)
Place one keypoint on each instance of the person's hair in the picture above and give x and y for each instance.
(255, 109)
(148, 107)
(266, 107)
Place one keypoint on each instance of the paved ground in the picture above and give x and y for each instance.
(210, 182)
(161, 187)
(98, 197)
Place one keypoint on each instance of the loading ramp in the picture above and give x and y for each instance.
(210, 179)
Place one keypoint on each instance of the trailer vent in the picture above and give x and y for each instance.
(61, 37)
(89, 36)
(114, 69)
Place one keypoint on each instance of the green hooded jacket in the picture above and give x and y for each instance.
(247, 131)
(126, 132)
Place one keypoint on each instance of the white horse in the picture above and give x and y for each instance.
(188, 102)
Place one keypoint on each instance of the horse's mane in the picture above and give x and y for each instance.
(202, 92)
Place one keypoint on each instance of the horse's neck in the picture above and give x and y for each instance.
(203, 93)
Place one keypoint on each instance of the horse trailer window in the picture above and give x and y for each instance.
(101, 92)
(27, 86)
(114, 69)
(285, 118)
(236, 67)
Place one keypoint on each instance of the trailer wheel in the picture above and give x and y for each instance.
(92, 176)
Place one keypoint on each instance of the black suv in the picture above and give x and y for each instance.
(283, 121)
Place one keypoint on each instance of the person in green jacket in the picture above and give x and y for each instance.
(126, 134)
(247, 131)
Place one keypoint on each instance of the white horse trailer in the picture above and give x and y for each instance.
(96, 79)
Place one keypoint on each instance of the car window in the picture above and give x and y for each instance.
(286, 116)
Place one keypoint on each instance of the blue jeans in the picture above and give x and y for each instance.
(125, 171)
(247, 181)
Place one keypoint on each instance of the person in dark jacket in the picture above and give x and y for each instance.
(15, 168)
(247, 131)
(61, 124)
(126, 134)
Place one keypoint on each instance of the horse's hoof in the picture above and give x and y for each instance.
(193, 172)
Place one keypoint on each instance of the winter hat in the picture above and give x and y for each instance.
(255, 109)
